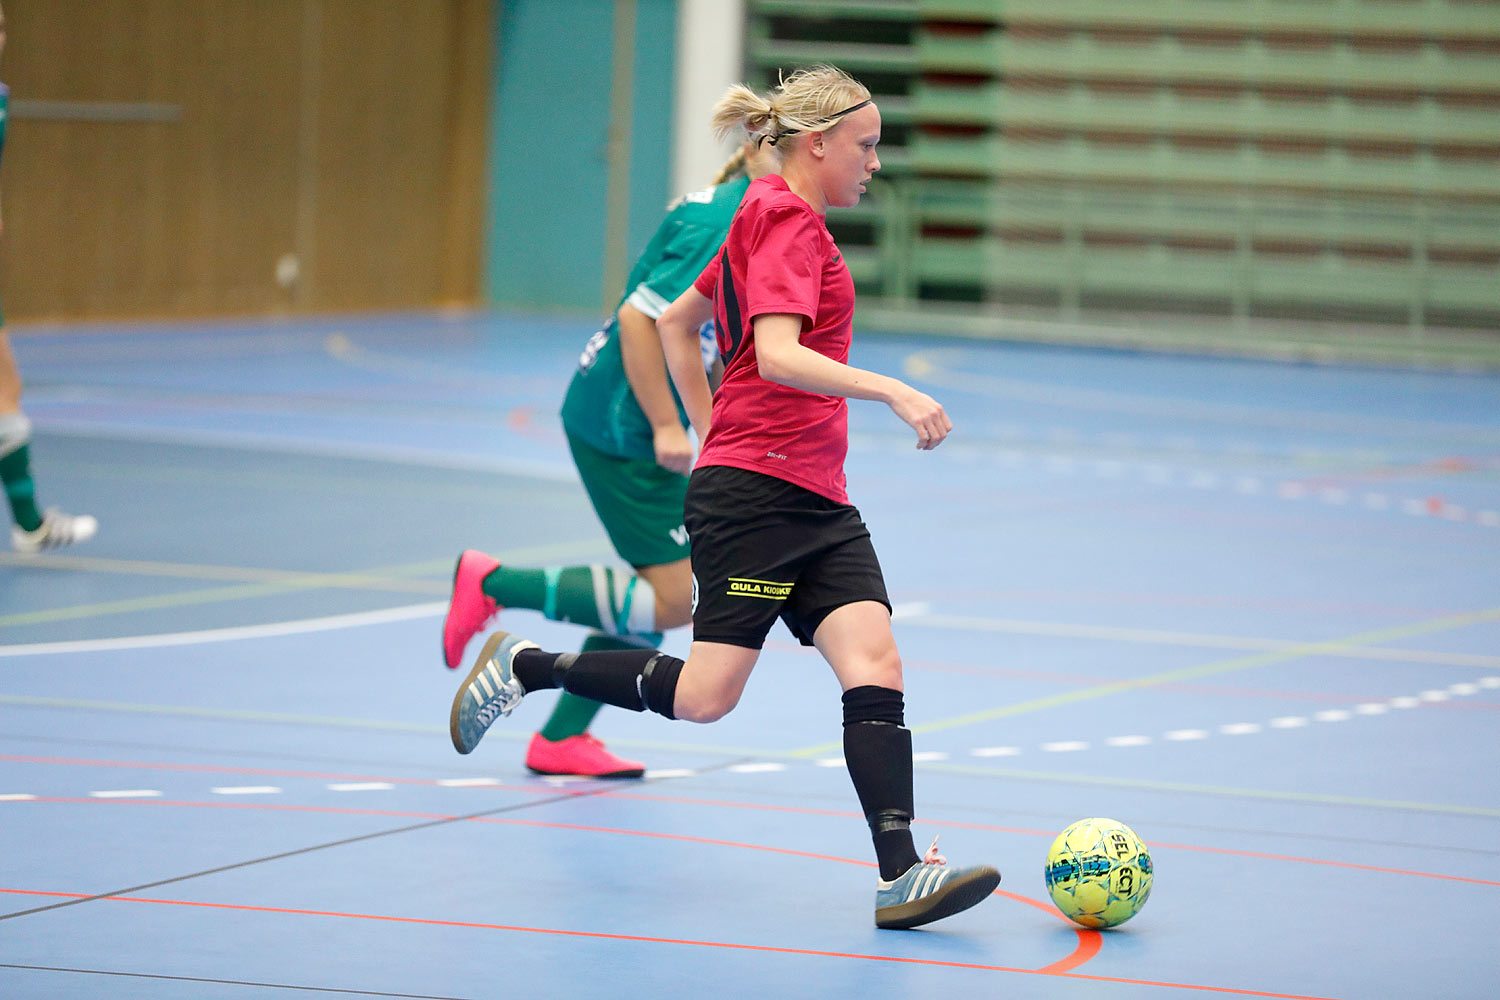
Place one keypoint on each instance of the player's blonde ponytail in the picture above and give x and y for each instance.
(732, 167)
(810, 100)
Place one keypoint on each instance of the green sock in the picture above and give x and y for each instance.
(15, 470)
(616, 601)
(572, 714)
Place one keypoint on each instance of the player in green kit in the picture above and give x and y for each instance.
(627, 432)
(33, 529)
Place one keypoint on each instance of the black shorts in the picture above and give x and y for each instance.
(764, 548)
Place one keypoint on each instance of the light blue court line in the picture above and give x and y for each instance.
(943, 367)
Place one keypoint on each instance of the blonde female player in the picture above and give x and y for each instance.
(32, 529)
(773, 534)
(628, 437)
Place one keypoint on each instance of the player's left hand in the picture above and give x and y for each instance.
(924, 415)
(674, 452)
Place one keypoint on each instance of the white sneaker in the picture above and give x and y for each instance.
(57, 529)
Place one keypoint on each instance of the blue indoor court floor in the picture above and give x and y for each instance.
(1250, 608)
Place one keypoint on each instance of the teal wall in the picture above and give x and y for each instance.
(549, 137)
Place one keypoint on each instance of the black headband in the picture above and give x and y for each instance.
(831, 120)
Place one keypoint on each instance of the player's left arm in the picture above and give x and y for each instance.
(785, 360)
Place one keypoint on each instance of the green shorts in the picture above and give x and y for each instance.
(639, 502)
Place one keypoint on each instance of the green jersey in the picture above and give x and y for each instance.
(600, 407)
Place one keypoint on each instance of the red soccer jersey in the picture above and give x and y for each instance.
(779, 258)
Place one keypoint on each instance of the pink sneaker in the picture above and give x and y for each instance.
(469, 608)
(580, 754)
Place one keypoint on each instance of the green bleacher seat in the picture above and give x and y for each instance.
(1367, 18)
(1077, 158)
(1236, 156)
(1335, 118)
(1249, 61)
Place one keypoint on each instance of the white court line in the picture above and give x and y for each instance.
(361, 786)
(246, 790)
(430, 609)
(126, 793)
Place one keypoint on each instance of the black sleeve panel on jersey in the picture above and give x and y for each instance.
(732, 315)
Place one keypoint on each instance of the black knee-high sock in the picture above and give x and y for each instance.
(636, 679)
(877, 751)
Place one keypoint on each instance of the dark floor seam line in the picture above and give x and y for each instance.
(228, 982)
(305, 850)
(339, 843)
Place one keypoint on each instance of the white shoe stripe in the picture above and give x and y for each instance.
(483, 683)
(918, 884)
(923, 882)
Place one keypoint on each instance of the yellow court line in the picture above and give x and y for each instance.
(1158, 637)
(259, 582)
(1146, 784)
(388, 579)
(1329, 646)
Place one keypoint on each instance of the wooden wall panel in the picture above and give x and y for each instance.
(382, 149)
(320, 130)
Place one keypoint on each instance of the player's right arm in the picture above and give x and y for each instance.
(645, 370)
(680, 342)
(785, 360)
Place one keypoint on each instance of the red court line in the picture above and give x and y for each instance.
(1088, 940)
(1049, 834)
(643, 939)
(151, 765)
(1330, 864)
(594, 792)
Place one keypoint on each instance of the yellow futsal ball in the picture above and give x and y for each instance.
(1098, 872)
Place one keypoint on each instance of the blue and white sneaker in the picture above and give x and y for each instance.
(490, 691)
(929, 890)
